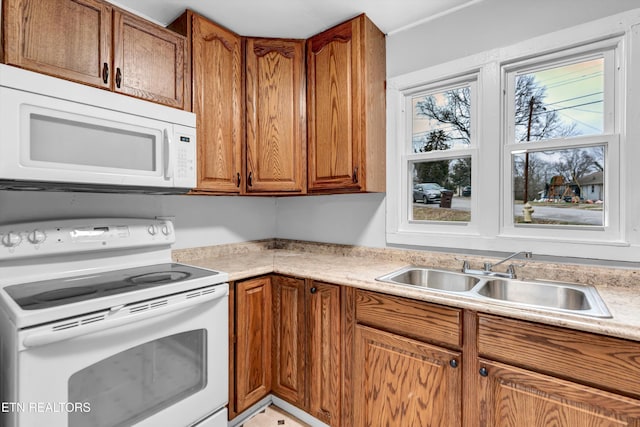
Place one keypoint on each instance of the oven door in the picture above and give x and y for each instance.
(169, 367)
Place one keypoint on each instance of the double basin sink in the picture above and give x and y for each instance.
(563, 297)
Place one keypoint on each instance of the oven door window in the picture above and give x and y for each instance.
(141, 381)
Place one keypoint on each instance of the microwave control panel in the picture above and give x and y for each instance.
(185, 157)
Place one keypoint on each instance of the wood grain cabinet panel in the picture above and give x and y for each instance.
(596, 360)
(275, 116)
(62, 38)
(325, 352)
(253, 341)
(346, 108)
(74, 40)
(216, 93)
(148, 60)
(402, 382)
(289, 339)
(513, 397)
(415, 319)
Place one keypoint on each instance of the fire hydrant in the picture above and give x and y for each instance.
(527, 210)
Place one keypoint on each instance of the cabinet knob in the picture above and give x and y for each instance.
(313, 290)
(118, 77)
(250, 179)
(453, 363)
(354, 178)
(105, 73)
(238, 180)
(483, 372)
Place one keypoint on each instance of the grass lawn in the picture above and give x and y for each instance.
(425, 213)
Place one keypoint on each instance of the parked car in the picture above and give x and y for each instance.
(466, 191)
(428, 192)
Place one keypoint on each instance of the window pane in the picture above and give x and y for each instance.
(564, 187)
(560, 102)
(441, 121)
(441, 190)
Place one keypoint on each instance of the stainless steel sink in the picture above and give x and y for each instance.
(565, 297)
(440, 280)
(553, 296)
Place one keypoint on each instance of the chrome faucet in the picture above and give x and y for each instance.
(487, 271)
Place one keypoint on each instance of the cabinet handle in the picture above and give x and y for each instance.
(313, 290)
(250, 179)
(354, 178)
(238, 180)
(453, 363)
(483, 372)
(105, 73)
(118, 77)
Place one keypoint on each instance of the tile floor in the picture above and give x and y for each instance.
(272, 416)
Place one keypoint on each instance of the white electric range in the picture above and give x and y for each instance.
(98, 327)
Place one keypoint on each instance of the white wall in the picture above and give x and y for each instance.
(199, 220)
(357, 219)
(489, 24)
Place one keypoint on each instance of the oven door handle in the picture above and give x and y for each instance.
(118, 318)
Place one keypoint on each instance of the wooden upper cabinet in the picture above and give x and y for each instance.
(74, 40)
(275, 116)
(62, 38)
(346, 108)
(148, 60)
(217, 99)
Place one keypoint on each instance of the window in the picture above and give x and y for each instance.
(440, 127)
(525, 147)
(561, 135)
(438, 156)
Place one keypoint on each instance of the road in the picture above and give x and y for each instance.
(571, 215)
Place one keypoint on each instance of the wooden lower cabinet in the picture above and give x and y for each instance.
(253, 341)
(359, 358)
(514, 397)
(403, 382)
(289, 339)
(324, 352)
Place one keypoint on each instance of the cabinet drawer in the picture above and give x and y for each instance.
(410, 318)
(596, 360)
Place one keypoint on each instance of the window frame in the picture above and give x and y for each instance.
(409, 157)
(492, 228)
(610, 231)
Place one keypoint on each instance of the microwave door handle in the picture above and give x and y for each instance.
(168, 166)
(39, 339)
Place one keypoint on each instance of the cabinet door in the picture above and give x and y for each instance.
(217, 102)
(402, 382)
(513, 397)
(289, 339)
(334, 119)
(276, 126)
(70, 39)
(325, 346)
(253, 346)
(148, 60)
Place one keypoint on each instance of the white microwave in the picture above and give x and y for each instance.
(60, 135)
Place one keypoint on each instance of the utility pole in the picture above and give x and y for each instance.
(526, 154)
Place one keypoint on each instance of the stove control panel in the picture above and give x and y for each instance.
(82, 235)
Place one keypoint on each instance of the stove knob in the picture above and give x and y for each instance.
(153, 230)
(36, 236)
(166, 230)
(11, 239)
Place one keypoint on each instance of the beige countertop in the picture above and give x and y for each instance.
(359, 267)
